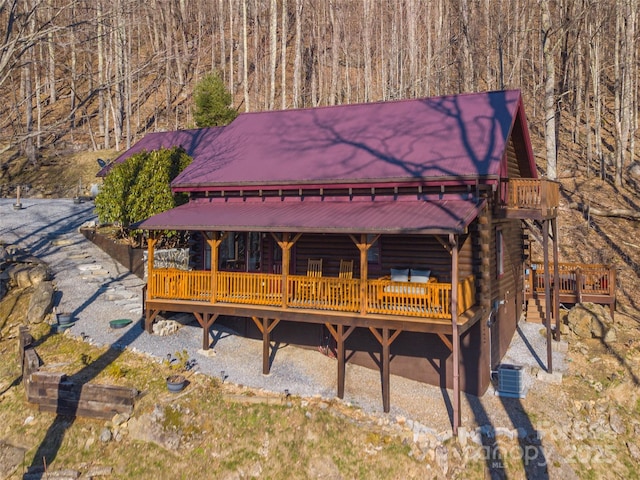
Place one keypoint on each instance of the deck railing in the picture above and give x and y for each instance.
(574, 279)
(533, 194)
(383, 296)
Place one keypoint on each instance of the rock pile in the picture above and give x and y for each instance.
(589, 320)
(24, 272)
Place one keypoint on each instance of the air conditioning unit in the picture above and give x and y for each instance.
(510, 381)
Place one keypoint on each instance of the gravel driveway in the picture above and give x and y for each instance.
(96, 289)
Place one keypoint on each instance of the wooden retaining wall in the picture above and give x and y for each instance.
(55, 392)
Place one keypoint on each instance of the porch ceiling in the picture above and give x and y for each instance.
(440, 216)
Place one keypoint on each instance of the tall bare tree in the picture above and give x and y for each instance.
(549, 90)
(283, 55)
(273, 51)
(245, 58)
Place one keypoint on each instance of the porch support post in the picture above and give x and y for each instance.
(286, 244)
(363, 246)
(385, 340)
(150, 316)
(214, 242)
(205, 320)
(265, 326)
(339, 335)
(455, 334)
(545, 241)
(556, 278)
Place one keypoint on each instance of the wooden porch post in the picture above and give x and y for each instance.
(579, 284)
(214, 243)
(265, 326)
(339, 335)
(556, 278)
(612, 291)
(455, 334)
(385, 340)
(363, 246)
(545, 241)
(150, 316)
(205, 320)
(285, 244)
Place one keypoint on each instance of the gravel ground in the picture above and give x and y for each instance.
(96, 289)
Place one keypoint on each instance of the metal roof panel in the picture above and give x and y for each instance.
(434, 216)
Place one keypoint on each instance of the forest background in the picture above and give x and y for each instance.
(98, 75)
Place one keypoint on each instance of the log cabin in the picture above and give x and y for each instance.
(412, 212)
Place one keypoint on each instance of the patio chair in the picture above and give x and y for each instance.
(314, 270)
(338, 291)
(346, 269)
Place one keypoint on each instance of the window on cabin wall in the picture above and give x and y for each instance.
(276, 257)
(373, 255)
(239, 251)
(254, 252)
(499, 252)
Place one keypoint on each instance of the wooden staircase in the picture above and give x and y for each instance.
(536, 310)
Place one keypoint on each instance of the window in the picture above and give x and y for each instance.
(373, 254)
(239, 251)
(499, 252)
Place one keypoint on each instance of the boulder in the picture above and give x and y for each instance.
(589, 320)
(41, 302)
(38, 274)
(166, 327)
(146, 428)
(25, 275)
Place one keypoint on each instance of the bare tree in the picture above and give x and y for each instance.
(623, 68)
(273, 51)
(245, 58)
(297, 63)
(367, 53)
(549, 90)
(283, 55)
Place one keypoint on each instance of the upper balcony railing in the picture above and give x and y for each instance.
(382, 296)
(532, 195)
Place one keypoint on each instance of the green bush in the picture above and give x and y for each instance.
(140, 187)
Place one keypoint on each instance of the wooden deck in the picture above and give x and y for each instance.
(578, 282)
(527, 198)
(418, 306)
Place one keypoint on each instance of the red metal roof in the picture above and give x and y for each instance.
(193, 141)
(434, 216)
(458, 136)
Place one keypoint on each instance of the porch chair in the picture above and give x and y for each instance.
(339, 291)
(346, 269)
(314, 270)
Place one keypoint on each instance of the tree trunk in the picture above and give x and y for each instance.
(102, 110)
(367, 54)
(232, 87)
(549, 91)
(273, 51)
(595, 68)
(53, 94)
(283, 56)
(245, 58)
(297, 62)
